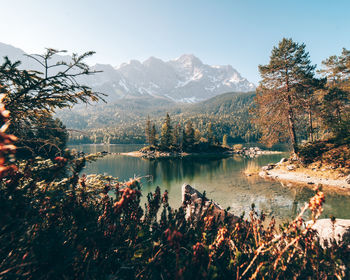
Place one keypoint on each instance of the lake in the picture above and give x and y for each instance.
(221, 178)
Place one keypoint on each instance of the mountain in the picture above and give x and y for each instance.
(185, 79)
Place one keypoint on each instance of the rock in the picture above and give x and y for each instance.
(268, 167)
(283, 160)
(347, 179)
(191, 197)
(326, 231)
(291, 167)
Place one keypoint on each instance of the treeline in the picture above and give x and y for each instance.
(228, 113)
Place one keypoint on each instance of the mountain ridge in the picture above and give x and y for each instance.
(184, 79)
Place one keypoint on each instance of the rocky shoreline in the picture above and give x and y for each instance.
(287, 172)
(155, 154)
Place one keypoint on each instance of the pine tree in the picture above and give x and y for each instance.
(288, 73)
(34, 96)
(197, 135)
(210, 134)
(336, 97)
(188, 136)
(224, 140)
(148, 130)
(166, 134)
(153, 136)
(176, 135)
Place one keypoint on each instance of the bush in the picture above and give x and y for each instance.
(311, 152)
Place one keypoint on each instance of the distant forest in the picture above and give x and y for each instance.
(228, 114)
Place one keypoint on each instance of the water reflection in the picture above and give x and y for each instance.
(221, 178)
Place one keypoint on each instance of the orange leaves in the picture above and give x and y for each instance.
(316, 201)
(60, 159)
(128, 195)
(6, 142)
(315, 204)
(208, 220)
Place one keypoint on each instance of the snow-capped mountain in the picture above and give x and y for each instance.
(185, 79)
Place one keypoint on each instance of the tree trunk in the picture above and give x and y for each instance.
(293, 138)
(311, 129)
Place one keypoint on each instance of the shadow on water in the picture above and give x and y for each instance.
(221, 178)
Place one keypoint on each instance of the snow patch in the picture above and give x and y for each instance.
(123, 85)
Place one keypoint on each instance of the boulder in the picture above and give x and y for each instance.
(327, 231)
(291, 167)
(192, 199)
(347, 179)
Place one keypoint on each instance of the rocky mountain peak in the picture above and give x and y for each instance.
(184, 79)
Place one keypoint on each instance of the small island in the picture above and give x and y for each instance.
(175, 142)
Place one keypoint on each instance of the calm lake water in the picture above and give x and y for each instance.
(221, 178)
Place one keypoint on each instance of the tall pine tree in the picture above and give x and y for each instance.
(288, 73)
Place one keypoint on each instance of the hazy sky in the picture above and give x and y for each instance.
(240, 33)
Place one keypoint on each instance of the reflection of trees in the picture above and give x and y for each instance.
(181, 169)
(152, 172)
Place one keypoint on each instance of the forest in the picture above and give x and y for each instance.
(56, 223)
(228, 114)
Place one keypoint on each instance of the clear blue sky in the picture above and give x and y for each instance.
(240, 33)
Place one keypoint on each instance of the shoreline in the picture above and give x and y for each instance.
(307, 180)
(160, 154)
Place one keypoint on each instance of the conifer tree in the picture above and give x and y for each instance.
(188, 136)
(288, 73)
(210, 134)
(224, 140)
(176, 135)
(153, 136)
(148, 130)
(166, 133)
(336, 96)
(197, 135)
(33, 97)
